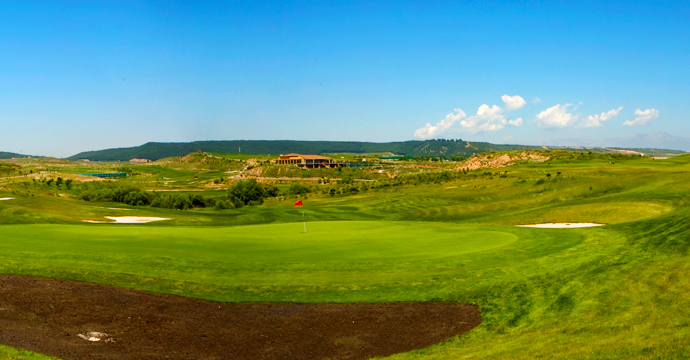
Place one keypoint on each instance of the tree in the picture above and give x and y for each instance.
(246, 191)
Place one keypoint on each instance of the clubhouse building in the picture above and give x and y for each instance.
(307, 161)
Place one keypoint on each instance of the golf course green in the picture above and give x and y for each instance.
(329, 241)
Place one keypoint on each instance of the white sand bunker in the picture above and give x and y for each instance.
(6, 199)
(127, 220)
(562, 225)
(135, 219)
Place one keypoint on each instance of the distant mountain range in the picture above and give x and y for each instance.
(434, 148)
(657, 140)
(156, 151)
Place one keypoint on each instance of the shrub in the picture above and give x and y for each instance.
(347, 179)
(298, 189)
(130, 195)
(271, 190)
(223, 204)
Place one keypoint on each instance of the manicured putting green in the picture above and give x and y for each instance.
(335, 241)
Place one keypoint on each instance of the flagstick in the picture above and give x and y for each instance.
(305, 223)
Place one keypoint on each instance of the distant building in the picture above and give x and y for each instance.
(139, 160)
(307, 161)
(107, 175)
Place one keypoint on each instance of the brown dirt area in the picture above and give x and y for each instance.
(48, 316)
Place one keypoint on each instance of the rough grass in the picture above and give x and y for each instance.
(9, 353)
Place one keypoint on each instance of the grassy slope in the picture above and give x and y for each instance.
(612, 292)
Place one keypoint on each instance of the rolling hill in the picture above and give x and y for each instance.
(9, 155)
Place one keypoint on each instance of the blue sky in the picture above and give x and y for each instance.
(85, 75)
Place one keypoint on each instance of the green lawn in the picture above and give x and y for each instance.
(618, 291)
(336, 253)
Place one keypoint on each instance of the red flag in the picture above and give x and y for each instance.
(299, 203)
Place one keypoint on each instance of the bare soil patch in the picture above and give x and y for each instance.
(65, 319)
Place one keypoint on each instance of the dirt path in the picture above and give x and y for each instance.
(47, 316)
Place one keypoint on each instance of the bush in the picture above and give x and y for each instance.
(223, 204)
(298, 189)
(347, 179)
(271, 190)
(130, 195)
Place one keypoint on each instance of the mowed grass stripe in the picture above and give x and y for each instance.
(341, 241)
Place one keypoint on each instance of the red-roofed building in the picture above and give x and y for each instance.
(307, 161)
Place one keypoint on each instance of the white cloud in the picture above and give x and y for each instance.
(556, 116)
(536, 100)
(513, 102)
(597, 120)
(430, 131)
(488, 118)
(642, 117)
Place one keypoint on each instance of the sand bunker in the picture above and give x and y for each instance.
(135, 219)
(6, 199)
(562, 225)
(127, 220)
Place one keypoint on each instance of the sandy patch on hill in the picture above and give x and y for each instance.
(6, 199)
(490, 161)
(562, 225)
